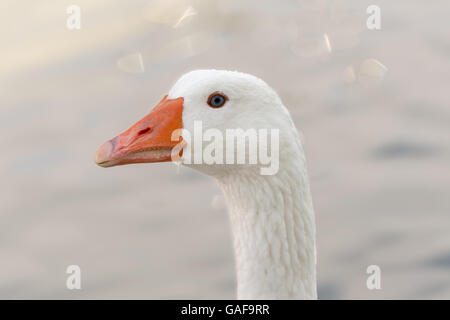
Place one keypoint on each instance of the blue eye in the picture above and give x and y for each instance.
(217, 100)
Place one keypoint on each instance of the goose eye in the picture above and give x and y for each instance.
(217, 100)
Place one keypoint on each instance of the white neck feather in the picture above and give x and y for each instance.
(272, 221)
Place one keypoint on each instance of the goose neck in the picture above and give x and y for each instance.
(273, 229)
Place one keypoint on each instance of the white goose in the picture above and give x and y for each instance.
(272, 216)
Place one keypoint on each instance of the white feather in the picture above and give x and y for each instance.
(272, 217)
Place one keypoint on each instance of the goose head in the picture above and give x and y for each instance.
(271, 210)
(204, 101)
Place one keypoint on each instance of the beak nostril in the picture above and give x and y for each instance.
(143, 131)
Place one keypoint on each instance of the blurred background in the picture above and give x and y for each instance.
(372, 107)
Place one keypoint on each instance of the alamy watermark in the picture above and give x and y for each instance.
(374, 19)
(374, 280)
(236, 146)
(74, 279)
(73, 21)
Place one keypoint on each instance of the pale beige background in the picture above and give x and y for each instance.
(378, 148)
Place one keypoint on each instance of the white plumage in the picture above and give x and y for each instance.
(272, 217)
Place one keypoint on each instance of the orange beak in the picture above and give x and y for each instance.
(148, 140)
